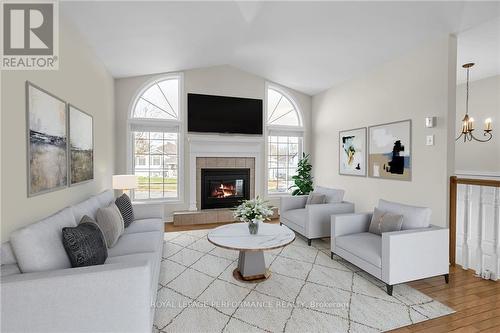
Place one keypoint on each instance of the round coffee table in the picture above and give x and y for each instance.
(251, 263)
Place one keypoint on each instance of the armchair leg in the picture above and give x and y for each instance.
(389, 289)
(281, 223)
(447, 278)
(331, 255)
(309, 242)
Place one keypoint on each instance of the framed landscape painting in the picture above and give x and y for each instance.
(81, 139)
(352, 152)
(389, 154)
(47, 141)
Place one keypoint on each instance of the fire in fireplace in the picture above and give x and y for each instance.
(227, 189)
(224, 187)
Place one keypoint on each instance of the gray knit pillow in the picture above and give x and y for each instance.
(315, 199)
(110, 221)
(385, 222)
(85, 244)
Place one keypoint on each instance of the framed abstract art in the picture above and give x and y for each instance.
(46, 122)
(81, 140)
(352, 152)
(389, 154)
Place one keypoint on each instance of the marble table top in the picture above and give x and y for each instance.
(236, 236)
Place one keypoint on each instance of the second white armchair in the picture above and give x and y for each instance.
(313, 221)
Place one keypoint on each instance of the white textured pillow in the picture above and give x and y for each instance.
(110, 220)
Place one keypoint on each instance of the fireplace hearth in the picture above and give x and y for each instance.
(224, 188)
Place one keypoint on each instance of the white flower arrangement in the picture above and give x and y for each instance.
(254, 210)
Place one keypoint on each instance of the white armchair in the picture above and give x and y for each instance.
(313, 221)
(395, 257)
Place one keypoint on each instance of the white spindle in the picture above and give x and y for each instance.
(466, 228)
(496, 240)
(480, 227)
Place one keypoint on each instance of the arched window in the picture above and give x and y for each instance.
(284, 140)
(155, 128)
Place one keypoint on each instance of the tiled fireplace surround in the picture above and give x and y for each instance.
(219, 152)
(224, 163)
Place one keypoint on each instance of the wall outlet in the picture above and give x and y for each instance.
(429, 141)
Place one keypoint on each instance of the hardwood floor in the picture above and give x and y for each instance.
(476, 301)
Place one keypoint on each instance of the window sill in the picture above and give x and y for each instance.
(158, 202)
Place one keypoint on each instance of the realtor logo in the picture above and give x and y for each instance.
(29, 36)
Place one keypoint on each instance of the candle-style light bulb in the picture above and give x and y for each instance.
(487, 124)
(471, 124)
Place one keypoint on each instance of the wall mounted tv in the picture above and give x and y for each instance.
(222, 114)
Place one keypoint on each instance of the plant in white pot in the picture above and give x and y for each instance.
(253, 212)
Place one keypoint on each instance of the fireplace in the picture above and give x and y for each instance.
(224, 188)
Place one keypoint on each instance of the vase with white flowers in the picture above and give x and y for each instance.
(253, 212)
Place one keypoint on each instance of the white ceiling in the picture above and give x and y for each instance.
(303, 45)
(480, 45)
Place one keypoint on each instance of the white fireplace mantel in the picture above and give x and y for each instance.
(223, 146)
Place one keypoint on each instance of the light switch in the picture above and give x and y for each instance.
(429, 140)
(430, 122)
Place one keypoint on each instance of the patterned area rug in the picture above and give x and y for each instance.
(307, 292)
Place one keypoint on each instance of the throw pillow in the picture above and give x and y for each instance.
(85, 244)
(315, 198)
(385, 222)
(125, 207)
(110, 221)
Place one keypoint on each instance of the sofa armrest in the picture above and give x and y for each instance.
(292, 202)
(319, 216)
(103, 298)
(410, 255)
(148, 211)
(346, 224)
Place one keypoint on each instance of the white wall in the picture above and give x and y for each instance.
(81, 80)
(217, 80)
(414, 86)
(484, 102)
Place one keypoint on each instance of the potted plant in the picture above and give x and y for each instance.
(303, 179)
(253, 212)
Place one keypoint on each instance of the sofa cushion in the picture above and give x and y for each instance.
(297, 216)
(85, 244)
(9, 269)
(141, 242)
(365, 245)
(38, 246)
(145, 225)
(383, 221)
(88, 207)
(110, 221)
(6, 254)
(105, 198)
(331, 195)
(125, 207)
(414, 217)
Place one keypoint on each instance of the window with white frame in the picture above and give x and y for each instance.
(155, 127)
(284, 140)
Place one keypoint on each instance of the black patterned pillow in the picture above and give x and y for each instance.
(125, 207)
(85, 244)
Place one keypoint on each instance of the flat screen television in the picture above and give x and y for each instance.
(222, 114)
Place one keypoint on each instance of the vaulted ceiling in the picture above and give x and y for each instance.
(308, 46)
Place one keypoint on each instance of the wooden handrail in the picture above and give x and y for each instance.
(454, 181)
(472, 181)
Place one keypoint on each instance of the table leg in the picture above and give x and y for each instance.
(251, 266)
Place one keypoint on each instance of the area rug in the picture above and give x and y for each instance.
(307, 292)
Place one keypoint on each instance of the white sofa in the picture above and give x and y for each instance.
(41, 293)
(394, 257)
(313, 221)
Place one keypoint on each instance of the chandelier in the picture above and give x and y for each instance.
(468, 122)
